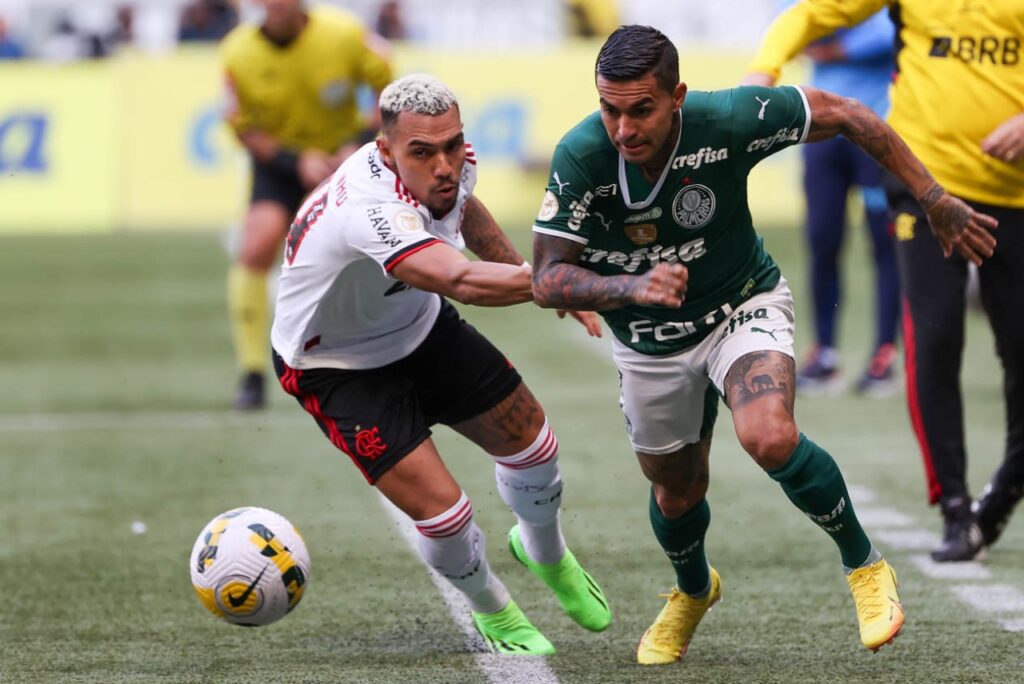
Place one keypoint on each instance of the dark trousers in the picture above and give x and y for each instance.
(831, 169)
(933, 328)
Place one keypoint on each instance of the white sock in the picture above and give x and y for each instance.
(452, 544)
(530, 484)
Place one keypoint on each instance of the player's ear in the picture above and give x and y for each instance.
(384, 147)
(679, 94)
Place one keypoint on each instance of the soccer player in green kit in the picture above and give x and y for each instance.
(645, 220)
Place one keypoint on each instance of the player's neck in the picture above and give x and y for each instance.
(284, 33)
(652, 170)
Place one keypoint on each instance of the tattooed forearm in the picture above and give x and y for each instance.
(832, 115)
(485, 238)
(759, 374)
(562, 286)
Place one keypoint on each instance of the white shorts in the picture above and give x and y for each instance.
(670, 401)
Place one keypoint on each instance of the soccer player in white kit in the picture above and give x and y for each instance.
(365, 340)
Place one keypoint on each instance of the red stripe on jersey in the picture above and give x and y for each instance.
(403, 193)
(470, 154)
(401, 256)
(914, 404)
(451, 525)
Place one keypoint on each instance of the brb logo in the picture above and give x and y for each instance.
(23, 137)
(995, 50)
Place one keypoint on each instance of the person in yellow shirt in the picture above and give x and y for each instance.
(293, 83)
(958, 101)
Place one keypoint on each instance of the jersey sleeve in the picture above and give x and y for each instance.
(389, 233)
(565, 211)
(802, 24)
(374, 61)
(767, 120)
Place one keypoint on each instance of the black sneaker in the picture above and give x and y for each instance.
(961, 539)
(992, 510)
(250, 392)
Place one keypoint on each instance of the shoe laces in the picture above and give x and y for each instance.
(683, 614)
(868, 593)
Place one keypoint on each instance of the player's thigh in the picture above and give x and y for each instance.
(464, 381)
(373, 416)
(420, 483)
(667, 401)
(752, 365)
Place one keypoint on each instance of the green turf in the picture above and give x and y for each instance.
(119, 327)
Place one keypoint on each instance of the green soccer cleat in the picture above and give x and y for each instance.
(667, 639)
(581, 598)
(509, 632)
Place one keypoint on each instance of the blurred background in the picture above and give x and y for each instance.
(114, 106)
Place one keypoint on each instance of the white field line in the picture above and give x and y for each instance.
(951, 571)
(145, 420)
(908, 540)
(991, 598)
(498, 669)
(876, 518)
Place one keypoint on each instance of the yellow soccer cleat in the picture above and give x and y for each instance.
(667, 639)
(879, 610)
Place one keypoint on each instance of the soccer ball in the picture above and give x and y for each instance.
(249, 566)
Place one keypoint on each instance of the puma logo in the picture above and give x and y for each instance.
(764, 103)
(559, 182)
(770, 333)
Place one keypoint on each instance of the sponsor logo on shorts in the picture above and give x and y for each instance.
(743, 317)
(665, 331)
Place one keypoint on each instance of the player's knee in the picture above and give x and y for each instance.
(675, 502)
(771, 443)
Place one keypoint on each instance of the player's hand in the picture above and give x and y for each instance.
(758, 78)
(588, 319)
(1007, 141)
(314, 167)
(663, 285)
(957, 226)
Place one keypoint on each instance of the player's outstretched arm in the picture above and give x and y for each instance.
(558, 283)
(485, 238)
(955, 225)
(446, 271)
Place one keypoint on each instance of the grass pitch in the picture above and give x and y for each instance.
(117, 375)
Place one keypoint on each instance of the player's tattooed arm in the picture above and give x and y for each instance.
(954, 223)
(485, 238)
(560, 283)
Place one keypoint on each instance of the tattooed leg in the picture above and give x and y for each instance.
(760, 390)
(509, 427)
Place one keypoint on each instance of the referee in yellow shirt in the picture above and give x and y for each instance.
(958, 101)
(293, 83)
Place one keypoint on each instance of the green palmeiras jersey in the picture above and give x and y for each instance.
(696, 212)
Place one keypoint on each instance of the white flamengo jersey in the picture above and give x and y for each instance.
(338, 305)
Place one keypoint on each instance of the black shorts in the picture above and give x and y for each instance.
(274, 185)
(378, 415)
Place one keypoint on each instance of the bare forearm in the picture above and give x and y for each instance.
(485, 238)
(482, 283)
(563, 286)
(262, 146)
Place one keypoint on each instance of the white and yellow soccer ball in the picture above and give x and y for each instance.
(249, 566)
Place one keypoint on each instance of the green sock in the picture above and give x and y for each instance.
(683, 541)
(812, 481)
